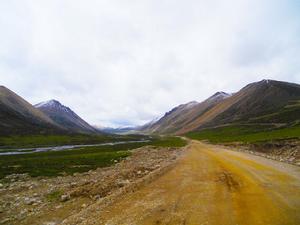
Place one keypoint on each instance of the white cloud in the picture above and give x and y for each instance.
(119, 62)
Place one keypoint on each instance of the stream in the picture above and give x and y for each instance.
(59, 148)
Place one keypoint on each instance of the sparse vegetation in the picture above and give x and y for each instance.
(75, 160)
(168, 141)
(289, 113)
(54, 196)
(56, 140)
(245, 134)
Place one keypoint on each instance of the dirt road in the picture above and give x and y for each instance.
(211, 185)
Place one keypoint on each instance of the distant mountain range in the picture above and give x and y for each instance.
(185, 114)
(267, 101)
(118, 130)
(264, 102)
(17, 117)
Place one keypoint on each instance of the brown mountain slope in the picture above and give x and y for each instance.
(254, 100)
(17, 116)
(65, 117)
(181, 116)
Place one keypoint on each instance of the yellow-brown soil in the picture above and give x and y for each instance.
(211, 185)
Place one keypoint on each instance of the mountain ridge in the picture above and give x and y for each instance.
(64, 116)
(181, 115)
(17, 116)
(249, 104)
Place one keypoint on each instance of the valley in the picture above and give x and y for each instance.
(149, 112)
(230, 159)
(72, 160)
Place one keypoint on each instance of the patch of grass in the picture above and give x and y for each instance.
(56, 163)
(168, 141)
(56, 140)
(54, 196)
(245, 134)
(79, 160)
(286, 114)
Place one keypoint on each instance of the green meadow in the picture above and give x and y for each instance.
(57, 140)
(245, 134)
(78, 160)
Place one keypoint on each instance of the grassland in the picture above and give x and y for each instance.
(57, 140)
(279, 125)
(245, 134)
(289, 113)
(168, 141)
(77, 160)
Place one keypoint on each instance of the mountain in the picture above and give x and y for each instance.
(17, 116)
(179, 117)
(65, 117)
(266, 101)
(266, 98)
(119, 130)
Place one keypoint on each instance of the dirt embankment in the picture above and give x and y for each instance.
(287, 151)
(26, 200)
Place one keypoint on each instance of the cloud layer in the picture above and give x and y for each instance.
(124, 62)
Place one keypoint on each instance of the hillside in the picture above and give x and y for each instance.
(259, 99)
(17, 116)
(65, 117)
(181, 116)
(253, 103)
(266, 101)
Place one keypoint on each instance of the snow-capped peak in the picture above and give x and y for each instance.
(266, 81)
(191, 104)
(221, 95)
(153, 121)
(54, 104)
(49, 103)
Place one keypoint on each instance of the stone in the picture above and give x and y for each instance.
(291, 159)
(97, 197)
(50, 223)
(122, 183)
(5, 221)
(29, 201)
(73, 184)
(65, 198)
(24, 211)
(58, 207)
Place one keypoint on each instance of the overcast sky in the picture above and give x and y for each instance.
(125, 62)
